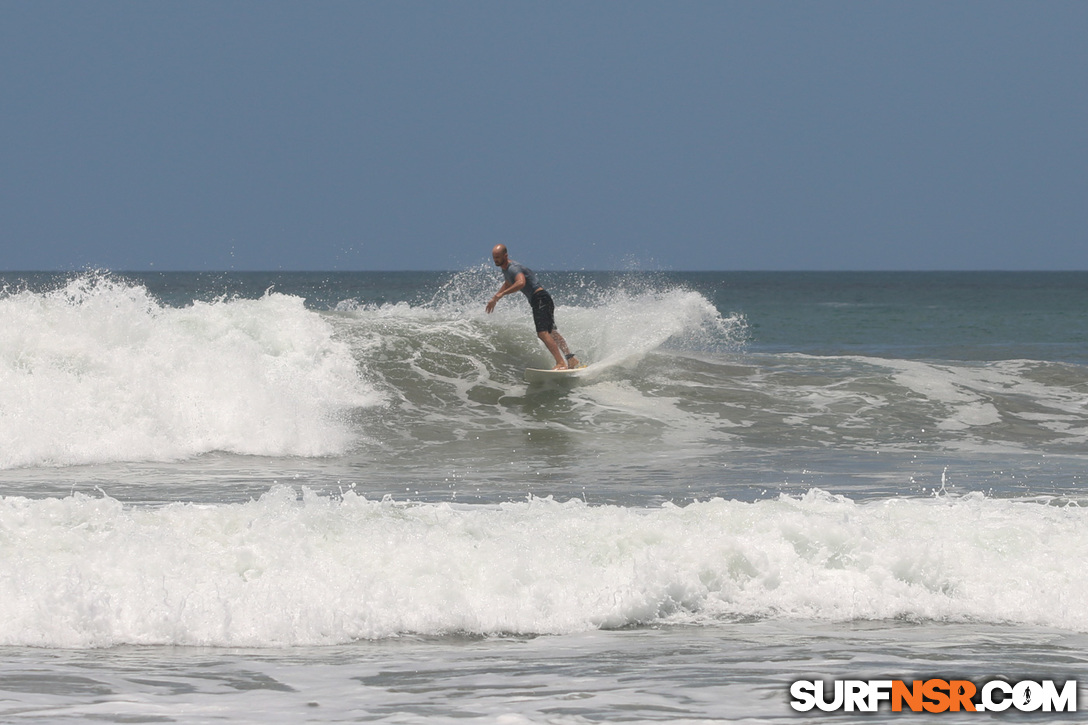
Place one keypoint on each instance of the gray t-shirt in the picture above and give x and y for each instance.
(511, 274)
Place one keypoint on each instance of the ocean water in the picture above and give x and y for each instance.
(306, 497)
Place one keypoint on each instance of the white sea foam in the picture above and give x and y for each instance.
(889, 404)
(98, 370)
(287, 570)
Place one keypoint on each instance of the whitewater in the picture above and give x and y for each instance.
(283, 572)
(325, 497)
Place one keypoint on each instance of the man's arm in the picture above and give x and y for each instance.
(507, 288)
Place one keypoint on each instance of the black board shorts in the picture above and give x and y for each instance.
(543, 311)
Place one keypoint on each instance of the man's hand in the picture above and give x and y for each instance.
(491, 304)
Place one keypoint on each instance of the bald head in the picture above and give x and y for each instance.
(499, 254)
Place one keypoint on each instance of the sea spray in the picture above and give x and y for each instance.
(612, 318)
(452, 339)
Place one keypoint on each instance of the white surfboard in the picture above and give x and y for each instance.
(536, 375)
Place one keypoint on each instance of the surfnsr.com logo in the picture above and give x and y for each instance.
(934, 696)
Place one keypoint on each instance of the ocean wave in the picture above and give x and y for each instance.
(450, 346)
(608, 323)
(98, 370)
(291, 569)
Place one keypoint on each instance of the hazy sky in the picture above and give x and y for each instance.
(587, 135)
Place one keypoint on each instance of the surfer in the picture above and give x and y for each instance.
(518, 277)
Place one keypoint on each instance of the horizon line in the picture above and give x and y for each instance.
(106, 270)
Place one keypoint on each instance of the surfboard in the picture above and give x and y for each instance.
(536, 375)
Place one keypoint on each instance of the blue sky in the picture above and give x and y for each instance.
(586, 135)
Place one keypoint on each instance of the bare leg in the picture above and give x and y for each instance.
(553, 348)
(570, 362)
